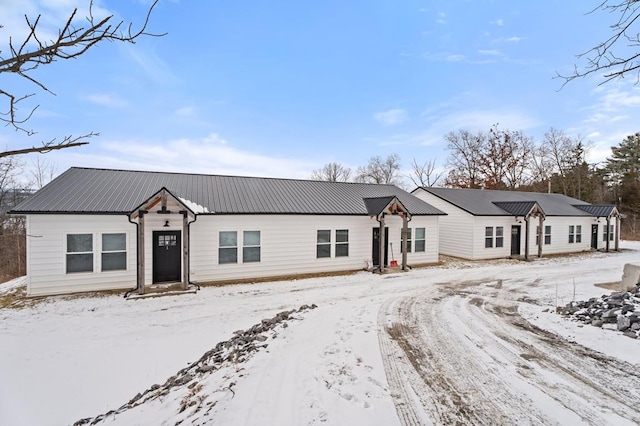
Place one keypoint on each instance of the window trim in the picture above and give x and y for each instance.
(323, 244)
(249, 246)
(578, 233)
(572, 234)
(547, 235)
(499, 242)
(227, 248)
(68, 253)
(341, 243)
(488, 237)
(422, 240)
(103, 251)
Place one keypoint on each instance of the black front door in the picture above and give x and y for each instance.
(166, 256)
(515, 240)
(376, 246)
(594, 237)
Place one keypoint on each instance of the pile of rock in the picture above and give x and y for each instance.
(233, 351)
(619, 308)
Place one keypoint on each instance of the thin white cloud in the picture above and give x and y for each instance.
(515, 39)
(391, 117)
(107, 100)
(498, 22)
(186, 111)
(490, 52)
(441, 19)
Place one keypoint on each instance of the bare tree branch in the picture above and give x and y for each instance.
(71, 42)
(603, 57)
(424, 175)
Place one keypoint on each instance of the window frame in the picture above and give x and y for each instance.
(409, 235)
(547, 235)
(488, 237)
(341, 245)
(227, 248)
(251, 247)
(420, 244)
(79, 253)
(108, 252)
(578, 233)
(572, 234)
(499, 237)
(322, 245)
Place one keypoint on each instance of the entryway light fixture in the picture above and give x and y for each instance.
(166, 223)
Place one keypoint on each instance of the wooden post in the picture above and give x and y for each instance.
(617, 231)
(141, 249)
(185, 250)
(405, 230)
(540, 235)
(382, 243)
(607, 233)
(526, 237)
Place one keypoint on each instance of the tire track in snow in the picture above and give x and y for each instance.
(463, 355)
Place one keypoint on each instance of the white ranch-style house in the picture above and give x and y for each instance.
(96, 229)
(487, 224)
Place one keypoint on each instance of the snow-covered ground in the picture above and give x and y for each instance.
(370, 353)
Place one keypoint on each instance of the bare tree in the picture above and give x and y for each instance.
(42, 172)
(332, 172)
(73, 40)
(424, 175)
(464, 159)
(12, 228)
(379, 170)
(618, 56)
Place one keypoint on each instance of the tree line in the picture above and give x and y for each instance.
(511, 160)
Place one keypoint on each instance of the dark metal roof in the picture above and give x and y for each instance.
(375, 206)
(516, 208)
(482, 202)
(597, 210)
(85, 190)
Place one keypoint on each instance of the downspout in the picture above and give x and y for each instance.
(137, 255)
(607, 233)
(526, 236)
(195, 217)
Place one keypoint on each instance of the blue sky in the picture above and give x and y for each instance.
(279, 88)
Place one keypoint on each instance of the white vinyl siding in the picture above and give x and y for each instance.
(295, 251)
(47, 254)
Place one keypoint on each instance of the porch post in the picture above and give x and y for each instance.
(185, 251)
(141, 248)
(382, 243)
(405, 229)
(540, 236)
(617, 233)
(526, 237)
(607, 234)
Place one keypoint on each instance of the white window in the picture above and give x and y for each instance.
(342, 242)
(79, 253)
(408, 241)
(420, 239)
(578, 233)
(575, 234)
(537, 235)
(323, 245)
(572, 234)
(499, 236)
(251, 246)
(114, 252)
(488, 237)
(228, 247)
(547, 234)
(608, 234)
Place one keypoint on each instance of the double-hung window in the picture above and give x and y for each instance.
(607, 233)
(228, 247)
(408, 241)
(572, 234)
(114, 252)
(342, 242)
(499, 236)
(251, 246)
(488, 237)
(323, 243)
(547, 234)
(79, 253)
(420, 240)
(578, 233)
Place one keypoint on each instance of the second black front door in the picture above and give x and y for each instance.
(376, 246)
(515, 240)
(166, 256)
